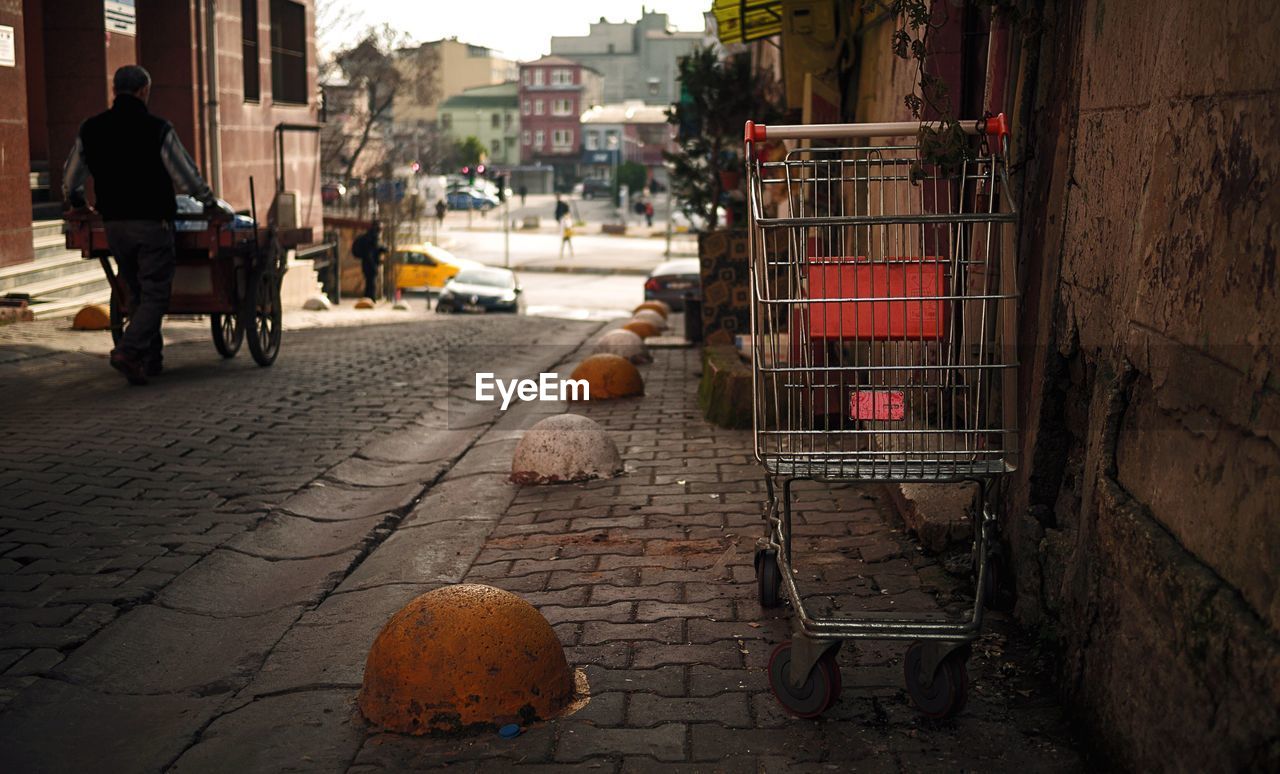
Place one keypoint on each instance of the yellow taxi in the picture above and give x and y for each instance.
(426, 266)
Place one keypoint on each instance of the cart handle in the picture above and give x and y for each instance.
(996, 127)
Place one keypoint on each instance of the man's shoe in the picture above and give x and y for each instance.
(153, 368)
(131, 367)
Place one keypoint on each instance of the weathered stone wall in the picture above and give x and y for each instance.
(1144, 526)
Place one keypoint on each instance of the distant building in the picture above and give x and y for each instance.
(454, 67)
(638, 60)
(554, 92)
(489, 113)
(630, 131)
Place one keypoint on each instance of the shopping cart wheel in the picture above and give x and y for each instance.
(820, 689)
(946, 694)
(768, 577)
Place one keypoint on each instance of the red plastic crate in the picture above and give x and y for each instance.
(899, 279)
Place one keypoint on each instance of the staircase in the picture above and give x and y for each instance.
(58, 281)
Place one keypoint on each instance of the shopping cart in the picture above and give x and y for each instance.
(884, 298)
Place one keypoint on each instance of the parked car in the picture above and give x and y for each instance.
(482, 289)
(671, 280)
(471, 199)
(427, 267)
(595, 186)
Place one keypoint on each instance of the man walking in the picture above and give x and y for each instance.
(566, 226)
(137, 164)
(369, 249)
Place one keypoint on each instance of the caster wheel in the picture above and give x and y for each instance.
(768, 578)
(947, 694)
(819, 691)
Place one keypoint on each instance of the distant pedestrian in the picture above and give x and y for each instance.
(648, 212)
(566, 226)
(524, 191)
(369, 249)
(441, 209)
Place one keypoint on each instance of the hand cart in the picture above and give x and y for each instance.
(233, 274)
(884, 297)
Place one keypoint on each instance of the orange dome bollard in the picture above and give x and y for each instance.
(641, 328)
(465, 656)
(655, 306)
(609, 376)
(364, 303)
(93, 317)
(651, 317)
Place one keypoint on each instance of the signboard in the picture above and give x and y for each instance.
(120, 16)
(8, 50)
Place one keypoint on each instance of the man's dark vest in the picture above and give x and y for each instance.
(122, 147)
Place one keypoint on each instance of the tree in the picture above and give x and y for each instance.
(717, 98)
(360, 90)
(471, 151)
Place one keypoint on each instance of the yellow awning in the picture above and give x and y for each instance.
(741, 21)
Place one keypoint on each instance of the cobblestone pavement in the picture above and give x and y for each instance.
(251, 658)
(107, 493)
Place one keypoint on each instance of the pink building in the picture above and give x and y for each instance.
(554, 92)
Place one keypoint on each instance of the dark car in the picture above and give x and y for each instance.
(482, 289)
(670, 281)
(595, 186)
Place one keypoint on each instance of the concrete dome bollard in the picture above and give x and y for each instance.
(656, 306)
(609, 376)
(651, 317)
(641, 328)
(626, 344)
(93, 317)
(364, 303)
(565, 447)
(317, 303)
(465, 656)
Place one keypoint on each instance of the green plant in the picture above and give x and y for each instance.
(471, 151)
(717, 98)
(633, 175)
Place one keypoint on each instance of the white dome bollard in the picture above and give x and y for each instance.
(624, 343)
(565, 447)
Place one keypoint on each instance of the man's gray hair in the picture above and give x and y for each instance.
(130, 79)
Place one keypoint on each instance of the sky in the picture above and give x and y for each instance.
(519, 29)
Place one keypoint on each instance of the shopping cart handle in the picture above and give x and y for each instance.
(996, 127)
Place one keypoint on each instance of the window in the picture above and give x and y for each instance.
(539, 139)
(591, 140)
(562, 138)
(539, 77)
(525, 107)
(506, 120)
(537, 107)
(562, 77)
(654, 83)
(525, 137)
(561, 107)
(446, 121)
(497, 147)
(495, 120)
(288, 52)
(249, 49)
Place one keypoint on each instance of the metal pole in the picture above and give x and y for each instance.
(506, 231)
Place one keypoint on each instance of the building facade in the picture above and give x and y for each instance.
(451, 67)
(638, 60)
(618, 133)
(554, 92)
(225, 106)
(491, 114)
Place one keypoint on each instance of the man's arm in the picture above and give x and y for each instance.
(74, 175)
(182, 170)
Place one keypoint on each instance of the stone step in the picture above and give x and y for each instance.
(15, 279)
(88, 280)
(65, 307)
(46, 228)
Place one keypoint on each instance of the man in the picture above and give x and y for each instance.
(369, 249)
(137, 163)
(524, 191)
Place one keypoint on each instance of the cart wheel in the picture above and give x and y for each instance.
(227, 333)
(947, 694)
(260, 318)
(768, 577)
(116, 312)
(820, 689)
